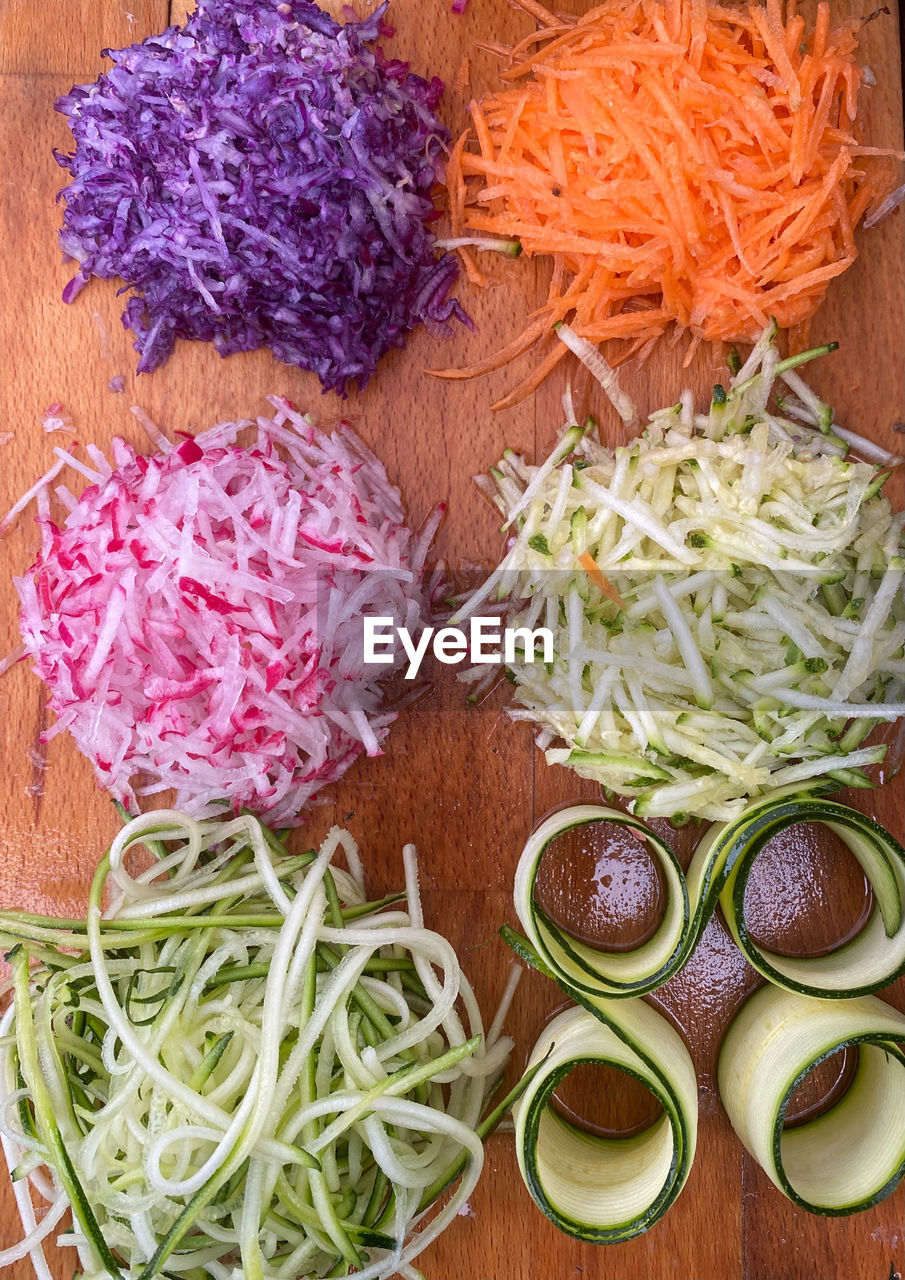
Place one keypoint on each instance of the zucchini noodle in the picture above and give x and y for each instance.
(242, 1069)
(605, 1189)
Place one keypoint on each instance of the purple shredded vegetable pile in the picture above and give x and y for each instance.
(261, 177)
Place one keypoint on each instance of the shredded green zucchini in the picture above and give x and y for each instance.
(724, 594)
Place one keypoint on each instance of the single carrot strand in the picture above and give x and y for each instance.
(530, 384)
(500, 358)
(541, 15)
(587, 561)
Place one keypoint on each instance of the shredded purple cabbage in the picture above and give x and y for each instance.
(261, 177)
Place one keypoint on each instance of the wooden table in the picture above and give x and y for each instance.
(464, 783)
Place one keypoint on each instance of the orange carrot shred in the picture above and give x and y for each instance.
(587, 561)
(533, 380)
(699, 158)
(500, 358)
(541, 15)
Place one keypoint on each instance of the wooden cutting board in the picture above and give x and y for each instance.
(464, 783)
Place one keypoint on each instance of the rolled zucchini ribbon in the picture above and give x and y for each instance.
(600, 1189)
(718, 873)
(852, 1155)
(604, 1189)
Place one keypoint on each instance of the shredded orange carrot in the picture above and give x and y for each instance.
(456, 202)
(514, 349)
(541, 15)
(587, 561)
(687, 163)
(534, 379)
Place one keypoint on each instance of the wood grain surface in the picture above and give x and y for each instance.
(464, 783)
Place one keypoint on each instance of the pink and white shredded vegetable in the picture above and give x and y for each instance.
(197, 616)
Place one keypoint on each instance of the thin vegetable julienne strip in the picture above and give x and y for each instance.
(487, 1126)
(25, 926)
(320, 1198)
(399, 1082)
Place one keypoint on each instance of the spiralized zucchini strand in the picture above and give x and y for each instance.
(243, 1068)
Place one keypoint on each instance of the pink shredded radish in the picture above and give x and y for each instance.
(197, 614)
(55, 418)
(27, 498)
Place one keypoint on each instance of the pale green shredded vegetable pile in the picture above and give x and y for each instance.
(724, 593)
